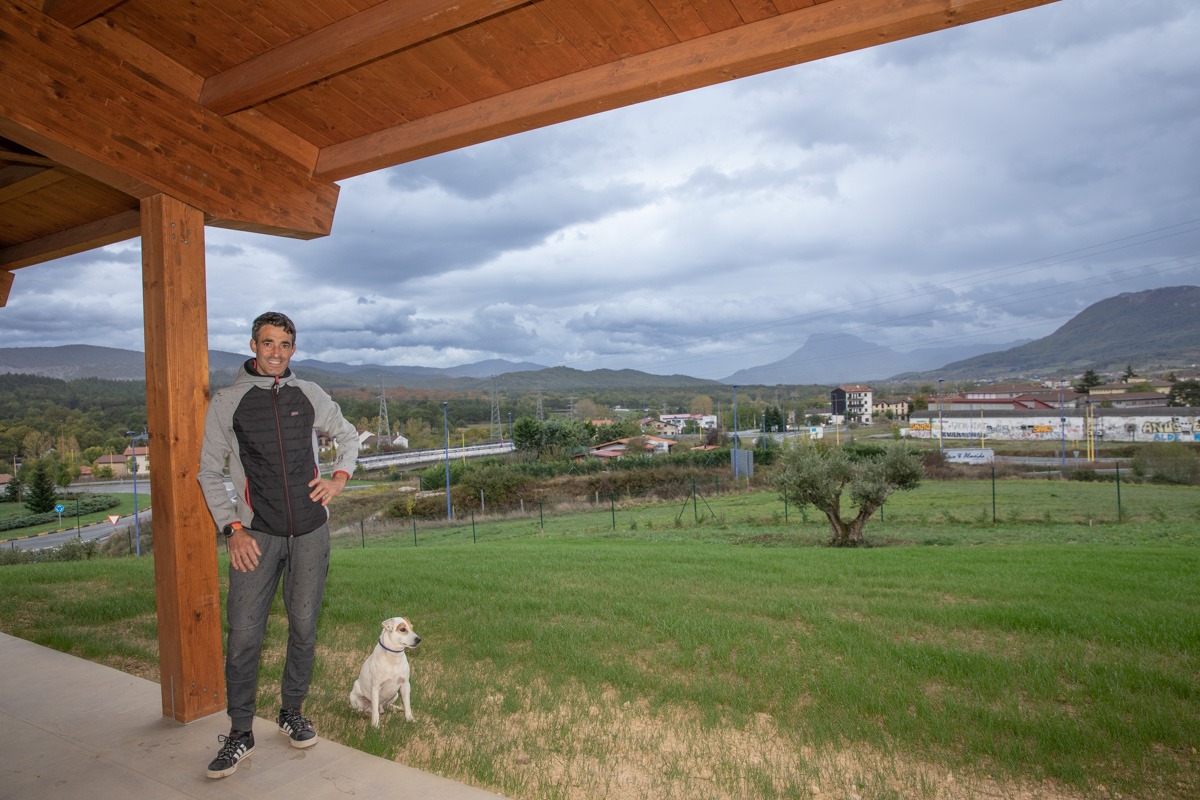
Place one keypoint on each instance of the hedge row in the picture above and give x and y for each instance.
(88, 504)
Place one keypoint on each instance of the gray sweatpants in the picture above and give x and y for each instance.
(303, 563)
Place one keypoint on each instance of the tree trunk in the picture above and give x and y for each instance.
(841, 531)
(850, 534)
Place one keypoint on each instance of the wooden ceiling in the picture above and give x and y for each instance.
(250, 110)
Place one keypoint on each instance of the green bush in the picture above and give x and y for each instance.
(1171, 463)
(73, 550)
(88, 504)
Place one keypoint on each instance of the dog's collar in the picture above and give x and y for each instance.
(390, 650)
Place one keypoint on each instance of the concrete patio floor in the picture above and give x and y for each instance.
(70, 728)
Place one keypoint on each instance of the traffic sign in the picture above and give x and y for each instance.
(113, 518)
(59, 508)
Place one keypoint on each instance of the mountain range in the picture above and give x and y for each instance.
(1154, 330)
(1151, 331)
(831, 358)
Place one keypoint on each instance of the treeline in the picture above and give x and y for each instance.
(37, 414)
(85, 418)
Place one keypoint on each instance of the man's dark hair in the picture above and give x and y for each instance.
(278, 320)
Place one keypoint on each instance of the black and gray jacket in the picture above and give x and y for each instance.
(267, 428)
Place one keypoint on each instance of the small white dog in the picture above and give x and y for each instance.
(384, 675)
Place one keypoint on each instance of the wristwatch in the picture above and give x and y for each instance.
(230, 528)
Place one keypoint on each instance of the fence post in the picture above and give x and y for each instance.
(541, 516)
(613, 504)
(414, 519)
(362, 532)
(993, 492)
(474, 538)
(1119, 517)
(695, 507)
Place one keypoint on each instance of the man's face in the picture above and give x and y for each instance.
(272, 350)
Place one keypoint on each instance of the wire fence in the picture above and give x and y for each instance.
(936, 505)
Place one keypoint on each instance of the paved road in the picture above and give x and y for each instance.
(89, 533)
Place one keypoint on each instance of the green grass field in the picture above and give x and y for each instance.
(734, 659)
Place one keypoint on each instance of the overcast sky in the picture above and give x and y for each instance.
(982, 184)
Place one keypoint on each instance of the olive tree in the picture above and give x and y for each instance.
(818, 475)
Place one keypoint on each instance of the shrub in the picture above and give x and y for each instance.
(1172, 463)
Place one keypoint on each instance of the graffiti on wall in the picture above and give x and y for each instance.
(1132, 428)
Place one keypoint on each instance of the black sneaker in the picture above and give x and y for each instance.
(293, 723)
(237, 745)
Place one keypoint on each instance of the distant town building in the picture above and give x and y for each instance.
(1135, 400)
(680, 421)
(892, 407)
(851, 402)
(120, 465)
(1153, 384)
(117, 465)
(653, 445)
(1004, 391)
(657, 426)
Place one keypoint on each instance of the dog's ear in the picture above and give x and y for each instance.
(388, 625)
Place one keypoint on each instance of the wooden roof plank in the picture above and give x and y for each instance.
(24, 178)
(384, 29)
(755, 10)
(6, 282)
(110, 230)
(685, 22)
(74, 13)
(805, 35)
(577, 30)
(71, 100)
(718, 15)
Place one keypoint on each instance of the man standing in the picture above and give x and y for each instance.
(266, 425)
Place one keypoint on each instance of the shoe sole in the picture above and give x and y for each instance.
(214, 773)
(301, 745)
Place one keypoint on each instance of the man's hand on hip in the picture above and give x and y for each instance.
(325, 489)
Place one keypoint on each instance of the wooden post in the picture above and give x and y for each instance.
(185, 550)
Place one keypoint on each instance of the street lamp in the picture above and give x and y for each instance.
(137, 526)
(735, 435)
(941, 447)
(446, 430)
(1062, 428)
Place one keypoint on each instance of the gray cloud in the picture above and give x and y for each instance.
(986, 182)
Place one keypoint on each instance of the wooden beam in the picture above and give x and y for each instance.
(185, 545)
(19, 157)
(378, 31)
(74, 13)
(6, 282)
(22, 179)
(808, 34)
(72, 100)
(109, 230)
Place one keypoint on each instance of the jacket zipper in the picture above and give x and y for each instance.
(287, 495)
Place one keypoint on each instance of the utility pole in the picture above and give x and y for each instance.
(497, 431)
(384, 427)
